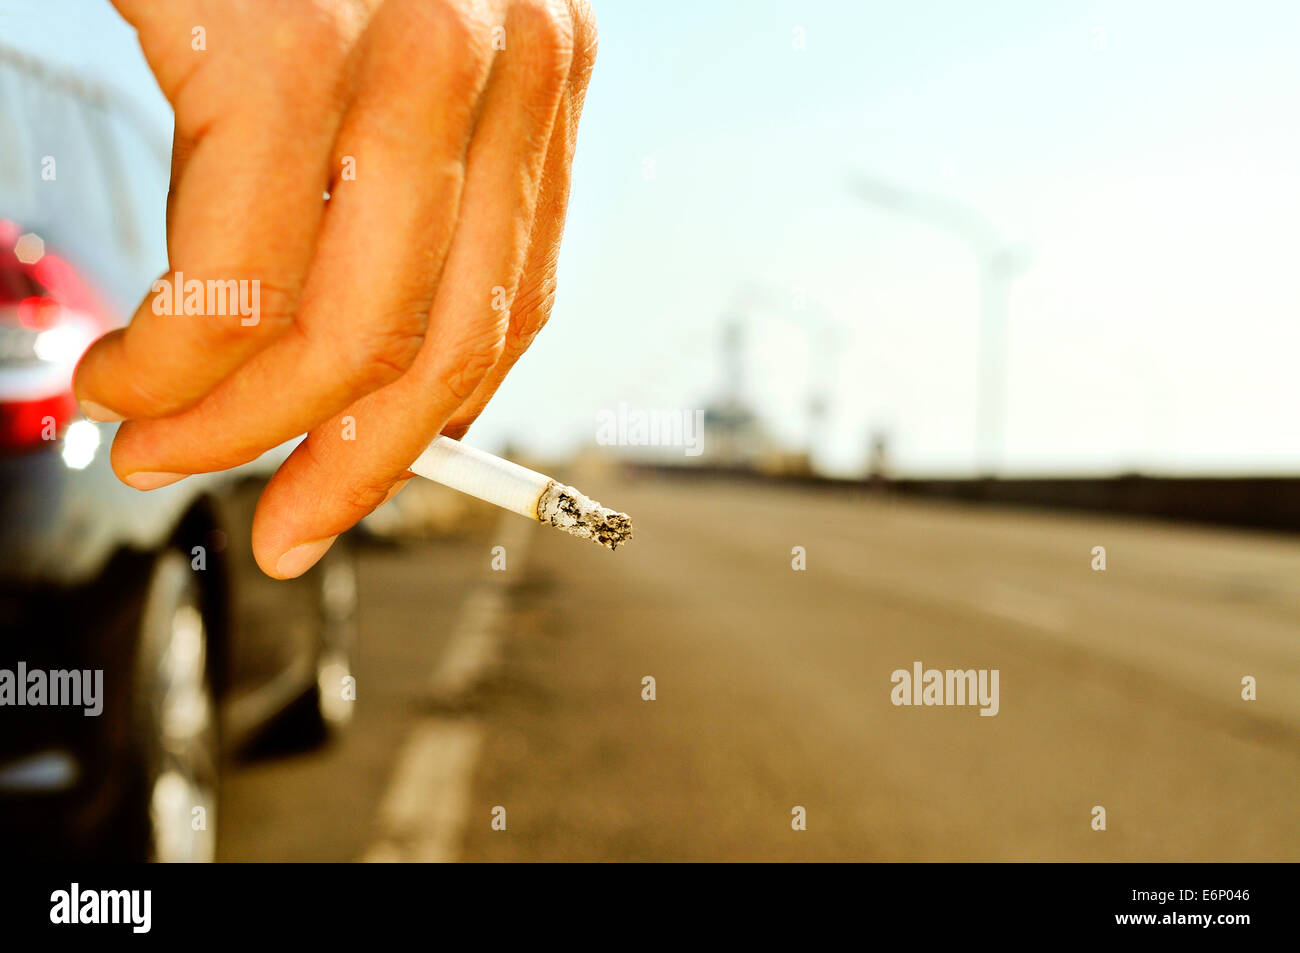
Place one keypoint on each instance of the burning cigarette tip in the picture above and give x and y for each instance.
(521, 491)
(568, 509)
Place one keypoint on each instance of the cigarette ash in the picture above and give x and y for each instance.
(565, 508)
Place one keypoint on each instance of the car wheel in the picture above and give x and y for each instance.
(175, 731)
(338, 601)
(326, 707)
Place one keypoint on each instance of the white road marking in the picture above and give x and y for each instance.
(424, 813)
(474, 648)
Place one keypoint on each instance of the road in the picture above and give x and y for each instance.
(1119, 689)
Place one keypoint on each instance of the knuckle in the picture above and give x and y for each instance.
(310, 33)
(225, 331)
(275, 87)
(425, 54)
(529, 313)
(541, 31)
(154, 396)
(451, 36)
(268, 313)
(382, 355)
(278, 300)
(226, 310)
(584, 40)
(472, 361)
(365, 496)
(277, 306)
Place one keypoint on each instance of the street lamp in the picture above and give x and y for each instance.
(999, 264)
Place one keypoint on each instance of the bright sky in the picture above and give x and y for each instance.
(1143, 157)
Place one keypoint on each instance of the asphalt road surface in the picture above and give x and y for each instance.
(501, 712)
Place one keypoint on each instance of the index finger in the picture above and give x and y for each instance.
(242, 221)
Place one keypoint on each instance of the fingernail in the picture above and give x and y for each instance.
(302, 557)
(149, 480)
(99, 412)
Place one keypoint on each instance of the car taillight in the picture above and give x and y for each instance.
(48, 317)
(28, 423)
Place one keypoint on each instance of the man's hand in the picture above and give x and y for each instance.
(443, 132)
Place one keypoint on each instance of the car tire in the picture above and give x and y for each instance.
(326, 708)
(171, 810)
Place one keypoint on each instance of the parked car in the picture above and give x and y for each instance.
(199, 651)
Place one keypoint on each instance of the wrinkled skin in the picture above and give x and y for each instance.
(389, 313)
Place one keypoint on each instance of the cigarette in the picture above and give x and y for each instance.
(521, 491)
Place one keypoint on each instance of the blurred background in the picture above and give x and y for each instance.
(946, 335)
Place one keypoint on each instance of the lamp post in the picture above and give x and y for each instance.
(999, 264)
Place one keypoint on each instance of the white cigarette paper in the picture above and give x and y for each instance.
(521, 491)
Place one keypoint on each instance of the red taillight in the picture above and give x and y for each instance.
(48, 317)
(27, 424)
(38, 314)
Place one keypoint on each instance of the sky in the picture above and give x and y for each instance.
(1142, 161)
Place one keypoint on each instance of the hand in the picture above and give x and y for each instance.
(443, 132)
